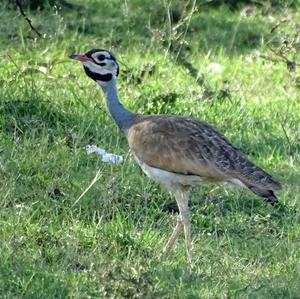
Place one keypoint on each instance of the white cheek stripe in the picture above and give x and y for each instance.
(95, 68)
(99, 69)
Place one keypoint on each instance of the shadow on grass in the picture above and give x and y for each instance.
(35, 116)
(20, 116)
(147, 22)
(123, 23)
(227, 31)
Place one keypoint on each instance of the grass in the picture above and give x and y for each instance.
(107, 245)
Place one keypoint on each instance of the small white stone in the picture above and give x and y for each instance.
(214, 68)
(106, 157)
(112, 158)
(42, 69)
(95, 149)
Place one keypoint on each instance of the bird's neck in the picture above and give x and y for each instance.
(119, 113)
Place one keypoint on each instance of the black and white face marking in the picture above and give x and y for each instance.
(102, 65)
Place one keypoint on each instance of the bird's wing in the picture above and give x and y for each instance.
(187, 146)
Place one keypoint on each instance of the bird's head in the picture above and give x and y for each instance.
(100, 65)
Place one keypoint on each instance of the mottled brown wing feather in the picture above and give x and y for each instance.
(187, 146)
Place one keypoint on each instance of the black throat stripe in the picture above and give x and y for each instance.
(96, 76)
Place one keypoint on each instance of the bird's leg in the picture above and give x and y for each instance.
(173, 237)
(182, 197)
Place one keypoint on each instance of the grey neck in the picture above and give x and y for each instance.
(119, 113)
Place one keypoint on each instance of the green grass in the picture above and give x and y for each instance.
(107, 246)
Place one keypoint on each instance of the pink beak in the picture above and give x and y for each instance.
(80, 57)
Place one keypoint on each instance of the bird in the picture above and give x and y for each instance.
(176, 151)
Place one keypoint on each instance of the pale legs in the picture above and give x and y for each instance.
(173, 237)
(182, 196)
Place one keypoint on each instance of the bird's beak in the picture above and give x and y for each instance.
(80, 57)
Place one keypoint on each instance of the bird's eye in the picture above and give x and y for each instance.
(101, 57)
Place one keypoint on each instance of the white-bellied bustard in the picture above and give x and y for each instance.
(177, 152)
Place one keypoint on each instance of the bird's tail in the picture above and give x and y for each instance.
(267, 195)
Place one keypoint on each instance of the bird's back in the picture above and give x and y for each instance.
(187, 146)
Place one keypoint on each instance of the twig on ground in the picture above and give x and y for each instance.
(14, 63)
(286, 49)
(278, 25)
(291, 65)
(286, 135)
(96, 178)
(19, 5)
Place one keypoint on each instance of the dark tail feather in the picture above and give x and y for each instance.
(267, 195)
